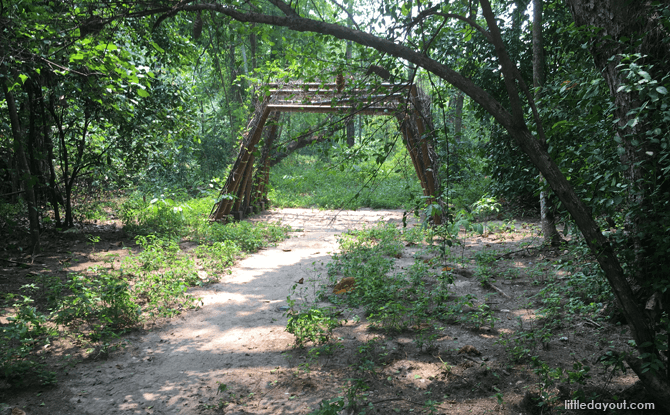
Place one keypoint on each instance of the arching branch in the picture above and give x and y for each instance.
(302, 24)
(433, 11)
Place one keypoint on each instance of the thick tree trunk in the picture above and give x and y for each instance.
(628, 28)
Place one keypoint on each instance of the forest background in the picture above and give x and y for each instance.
(144, 103)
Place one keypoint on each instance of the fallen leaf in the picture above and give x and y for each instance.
(469, 349)
(446, 269)
(345, 285)
(301, 280)
(286, 250)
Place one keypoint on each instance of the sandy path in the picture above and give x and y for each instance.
(237, 338)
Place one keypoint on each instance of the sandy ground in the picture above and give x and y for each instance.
(236, 337)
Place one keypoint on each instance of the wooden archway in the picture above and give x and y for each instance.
(245, 188)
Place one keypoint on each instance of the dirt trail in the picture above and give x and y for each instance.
(237, 337)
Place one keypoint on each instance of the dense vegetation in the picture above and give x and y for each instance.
(141, 106)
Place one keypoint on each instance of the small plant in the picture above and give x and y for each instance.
(314, 324)
(328, 349)
(547, 379)
(487, 206)
(499, 396)
(352, 393)
(332, 406)
(92, 241)
(25, 331)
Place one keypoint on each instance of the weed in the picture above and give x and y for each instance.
(312, 325)
(26, 330)
(332, 406)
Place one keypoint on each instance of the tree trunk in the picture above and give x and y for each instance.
(24, 169)
(351, 131)
(54, 194)
(634, 28)
(551, 236)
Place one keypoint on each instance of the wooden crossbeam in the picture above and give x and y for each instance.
(241, 186)
(323, 109)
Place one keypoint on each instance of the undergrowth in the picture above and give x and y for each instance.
(420, 300)
(305, 181)
(94, 307)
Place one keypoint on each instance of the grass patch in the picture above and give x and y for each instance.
(416, 298)
(307, 181)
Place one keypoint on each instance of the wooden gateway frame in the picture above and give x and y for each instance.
(245, 189)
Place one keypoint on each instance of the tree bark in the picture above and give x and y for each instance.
(54, 193)
(634, 28)
(548, 219)
(24, 168)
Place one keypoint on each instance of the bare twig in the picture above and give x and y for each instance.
(518, 250)
(15, 262)
(588, 320)
(501, 292)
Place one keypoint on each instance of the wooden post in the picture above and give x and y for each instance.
(225, 203)
(262, 176)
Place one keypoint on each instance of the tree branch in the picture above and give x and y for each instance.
(285, 8)
(433, 12)
(351, 17)
(302, 24)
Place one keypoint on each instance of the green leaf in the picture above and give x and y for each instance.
(23, 78)
(645, 75)
(558, 123)
(661, 90)
(143, 93)
(106, 46)
(158, 48)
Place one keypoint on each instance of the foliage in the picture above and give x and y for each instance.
(302, 181)
(393, 301)
(26, 330)
(312, 325)
(96, 306)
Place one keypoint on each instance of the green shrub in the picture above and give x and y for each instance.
(303, 181)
